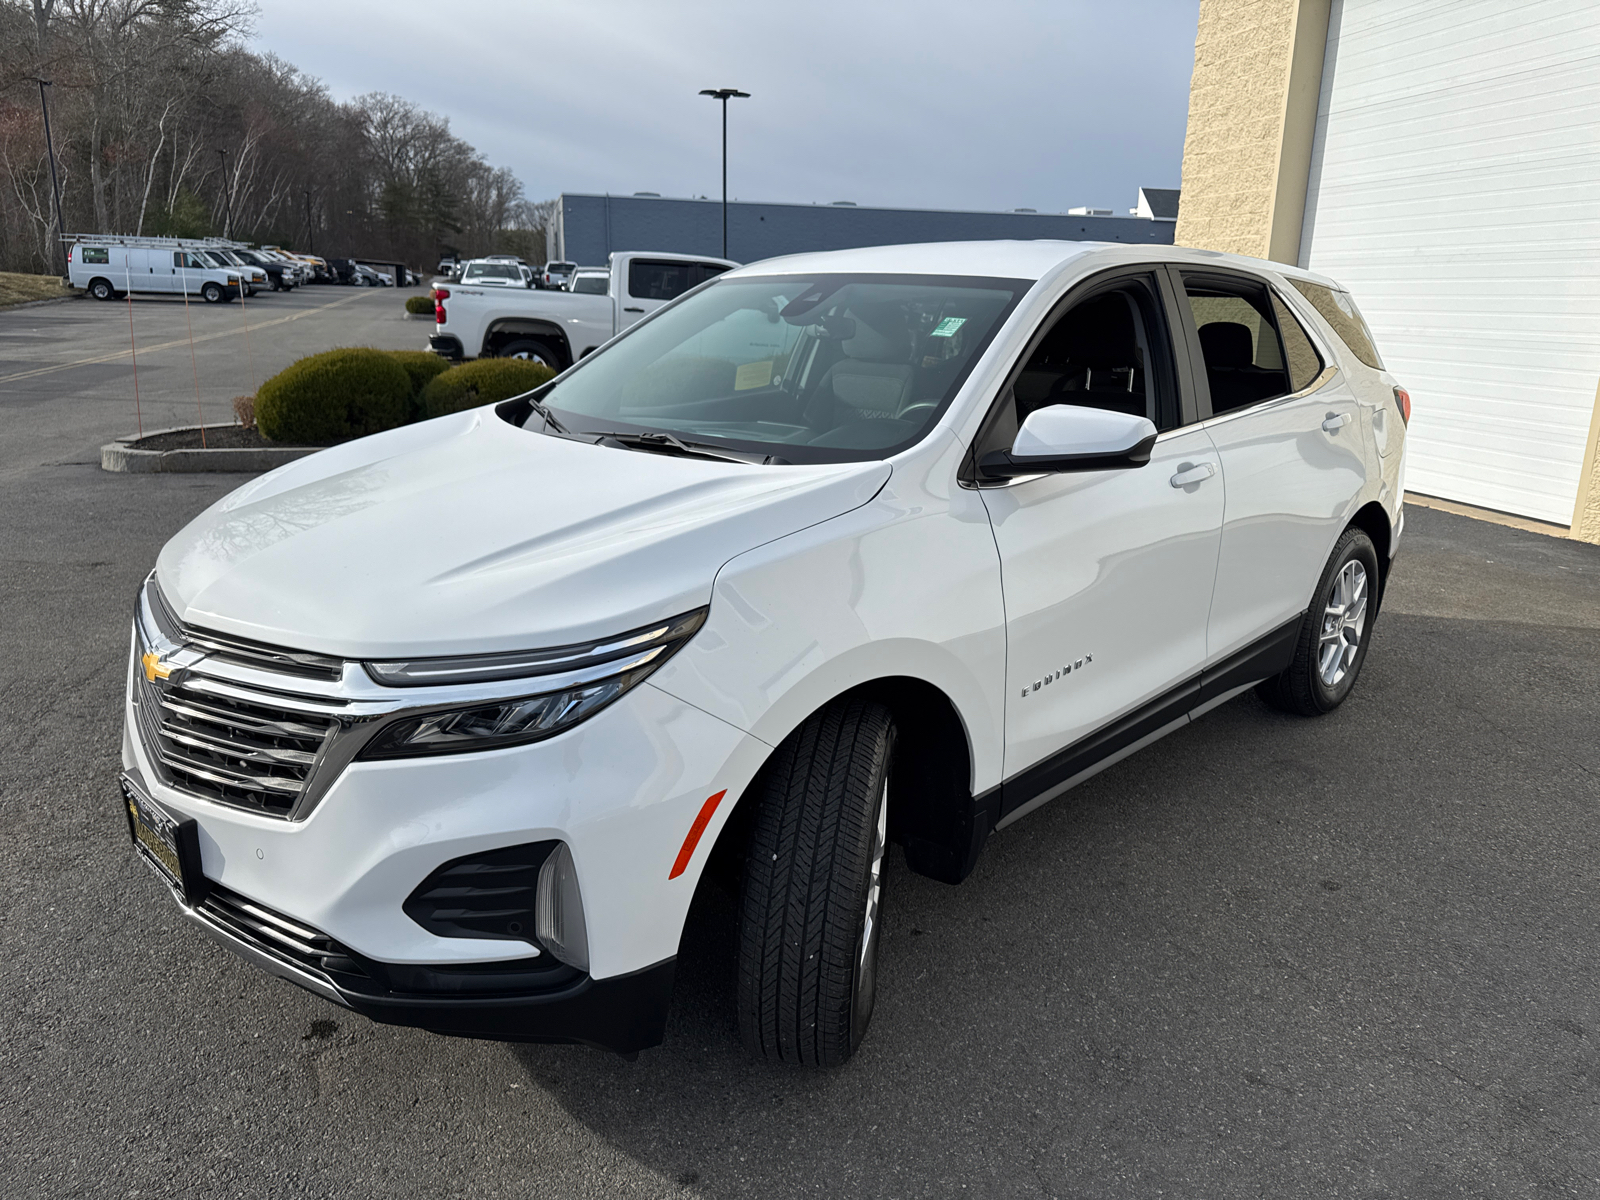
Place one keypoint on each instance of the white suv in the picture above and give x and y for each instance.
(837, 550)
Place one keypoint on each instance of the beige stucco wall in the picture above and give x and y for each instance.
(1252, 111)
(1586, 512)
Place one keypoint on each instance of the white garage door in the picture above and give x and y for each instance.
(1455, 189)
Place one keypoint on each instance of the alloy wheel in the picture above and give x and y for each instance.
(1344, 620)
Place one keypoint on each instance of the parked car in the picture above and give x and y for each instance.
(890, 544)
(305, 270)
(589, 281)
(109, 270)
(280, 275)
(364, 276)
(556, 273)
(447, 264)
(491, 273)
(251, 277)
(478, 319)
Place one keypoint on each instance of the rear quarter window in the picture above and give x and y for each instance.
(94, 255)
(1339, 310)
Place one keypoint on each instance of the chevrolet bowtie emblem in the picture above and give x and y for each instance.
(154, 668)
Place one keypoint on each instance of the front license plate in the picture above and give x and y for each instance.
(170, 845)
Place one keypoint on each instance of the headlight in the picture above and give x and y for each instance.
(578, 682)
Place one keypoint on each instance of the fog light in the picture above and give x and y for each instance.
(560, 910)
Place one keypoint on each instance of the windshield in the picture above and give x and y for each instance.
(833, 368)
(493, 271)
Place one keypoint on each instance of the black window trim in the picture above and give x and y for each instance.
(1086, 289)
(1225, 276)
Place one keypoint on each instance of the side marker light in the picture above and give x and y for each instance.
(695, 831)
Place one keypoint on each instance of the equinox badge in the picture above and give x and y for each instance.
(1075, 665)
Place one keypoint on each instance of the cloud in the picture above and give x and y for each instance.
(994, 105)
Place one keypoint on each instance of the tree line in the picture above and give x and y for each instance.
(165, 124)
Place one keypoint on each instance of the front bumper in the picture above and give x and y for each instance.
(544, 1002)
(620, 790)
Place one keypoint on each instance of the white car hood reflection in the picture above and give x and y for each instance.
(468, 534)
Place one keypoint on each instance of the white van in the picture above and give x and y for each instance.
(109, 270)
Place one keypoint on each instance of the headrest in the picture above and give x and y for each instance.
(1227, 345)
(1100, 333)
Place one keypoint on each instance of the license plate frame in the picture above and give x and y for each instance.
(169, 845)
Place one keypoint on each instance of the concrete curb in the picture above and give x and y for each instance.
(122, 456)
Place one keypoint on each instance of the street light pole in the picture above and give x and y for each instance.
(55, 182)
(227, 199)
(724, 94)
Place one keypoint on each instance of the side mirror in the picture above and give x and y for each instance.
(1065, 437)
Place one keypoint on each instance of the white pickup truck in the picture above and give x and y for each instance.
(558, 328)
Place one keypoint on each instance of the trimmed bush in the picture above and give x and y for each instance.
(485, 381)
(334, 396)
(419, 304)
(422, 366)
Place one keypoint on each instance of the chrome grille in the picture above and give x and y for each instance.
(238, 650)
(276, 935)
(216, 743)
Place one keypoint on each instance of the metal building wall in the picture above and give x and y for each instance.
(590, 227)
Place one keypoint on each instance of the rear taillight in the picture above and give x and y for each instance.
(440, 295)
(1402, 401)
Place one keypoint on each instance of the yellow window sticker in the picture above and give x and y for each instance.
(752, 375)
(948, 327)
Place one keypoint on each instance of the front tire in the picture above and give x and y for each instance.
(212, 293)
(811, 916)
(1335, 634)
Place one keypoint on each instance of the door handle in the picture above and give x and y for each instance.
(1194, 474)
(633, 310)
(1335, 422)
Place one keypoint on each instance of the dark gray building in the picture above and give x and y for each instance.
(587, 228)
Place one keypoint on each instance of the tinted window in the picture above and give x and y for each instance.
(492, 271)
(1107, 351)
(1339, 310)
(649, 279)
(1239, 340)
(833, 368)
(94, 255)
(594, 285)
(1304, 363)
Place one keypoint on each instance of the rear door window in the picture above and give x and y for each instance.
(1339, 310)
(1244, 356)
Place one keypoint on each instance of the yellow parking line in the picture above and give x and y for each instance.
(205, 337)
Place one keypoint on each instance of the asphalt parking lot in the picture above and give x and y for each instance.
(1351, 957)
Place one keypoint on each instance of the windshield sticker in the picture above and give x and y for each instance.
(752, 375)
(948, 327)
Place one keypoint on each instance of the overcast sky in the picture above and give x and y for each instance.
(987, 104)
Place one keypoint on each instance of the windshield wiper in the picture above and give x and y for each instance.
(666, 441)
(550, 421)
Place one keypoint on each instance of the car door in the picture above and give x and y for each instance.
(1107, 574)
(1287, 428)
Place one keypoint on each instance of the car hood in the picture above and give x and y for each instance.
(468, 534)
